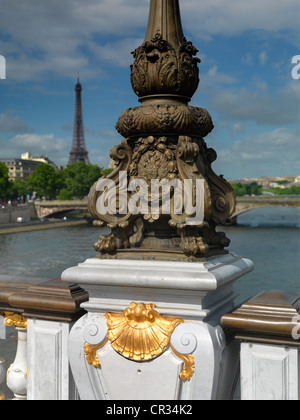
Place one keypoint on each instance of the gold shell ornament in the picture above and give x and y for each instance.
(140, 333)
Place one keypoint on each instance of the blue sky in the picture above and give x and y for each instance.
(246, 49)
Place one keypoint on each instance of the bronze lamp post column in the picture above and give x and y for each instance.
(164, 141)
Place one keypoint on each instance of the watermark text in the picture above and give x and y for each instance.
(2, 67)
(296, 329)
(296, 68)
(152, 198)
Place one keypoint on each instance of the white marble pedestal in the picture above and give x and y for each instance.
(152, 329)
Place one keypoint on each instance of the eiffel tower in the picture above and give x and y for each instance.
(78, 152)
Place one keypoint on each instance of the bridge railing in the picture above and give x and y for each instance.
(43, 312)
(2, 360)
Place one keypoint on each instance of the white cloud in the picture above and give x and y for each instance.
(268, 153)
(53, 37)
(234, 17)
(12, 124)
(263, 58)
(259, 105)
(60, 37)
(116, 53)
(41, 143)
(37, 144)
(213, 77)
(29, 68)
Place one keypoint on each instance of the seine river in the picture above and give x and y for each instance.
(269, 237)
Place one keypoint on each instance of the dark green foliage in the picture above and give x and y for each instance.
(246, 189)
(43, 181)
(4, 182)
(77, 179)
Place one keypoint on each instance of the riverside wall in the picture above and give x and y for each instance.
(12, 214)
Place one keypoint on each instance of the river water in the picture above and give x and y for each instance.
(269, 237)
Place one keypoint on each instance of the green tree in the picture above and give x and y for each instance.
(43, 181)
(18, 187)
(293, 190)
(247, 189)
(239, 189)
(64, 194)
(4, 181)
(60, 186)
(77, 179)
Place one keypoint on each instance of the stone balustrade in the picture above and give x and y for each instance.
(2, 361)
(42, 311)
(268, 329)
(2, 377)
(262, 336)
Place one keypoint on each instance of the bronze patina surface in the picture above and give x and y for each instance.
(164, 140)
(270, 317)
(41, 299)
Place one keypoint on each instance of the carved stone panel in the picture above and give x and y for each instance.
(186, 366)
(128, 380)
(269, 372)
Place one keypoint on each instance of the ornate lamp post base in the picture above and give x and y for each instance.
(152, 330)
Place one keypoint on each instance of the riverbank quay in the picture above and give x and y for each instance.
(38, 225)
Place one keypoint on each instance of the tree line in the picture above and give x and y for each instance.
(253, 188)
(45, 182)
(247, 189)
(75, 181)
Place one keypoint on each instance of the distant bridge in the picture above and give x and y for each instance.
(244, 204)
(58, 208)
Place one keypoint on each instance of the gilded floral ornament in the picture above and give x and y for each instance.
(189, 365)
(90, 352)
(140, 333)
(11, 319)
